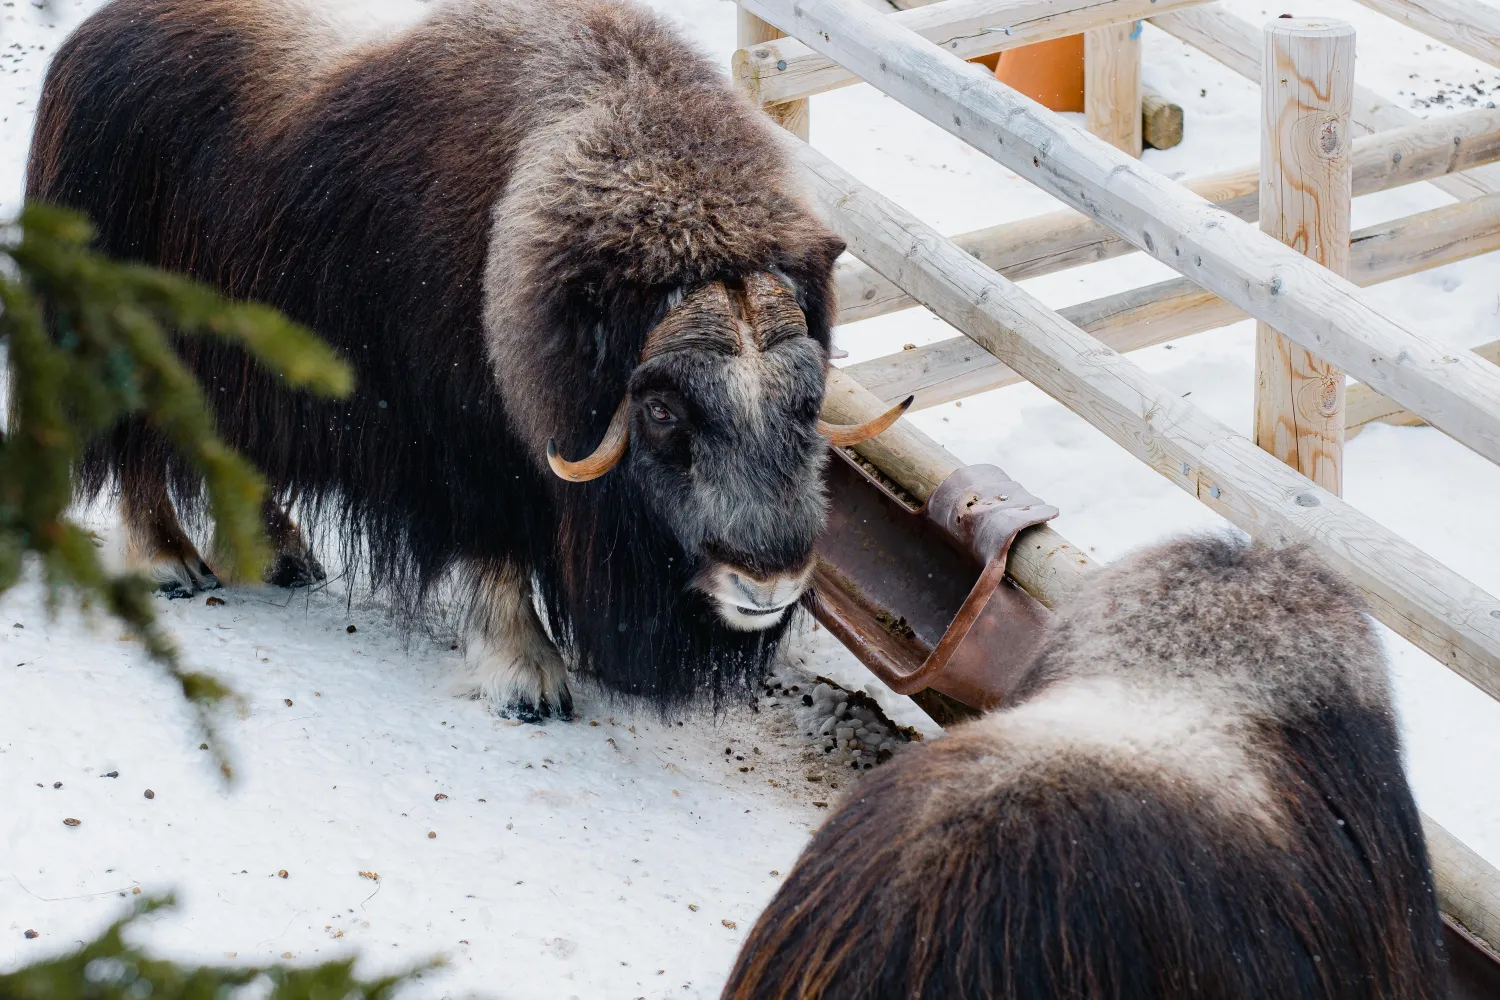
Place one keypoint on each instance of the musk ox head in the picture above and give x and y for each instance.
(720, 422)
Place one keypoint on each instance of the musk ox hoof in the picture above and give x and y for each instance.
(176, 579)
(173, 591)
(293, 570)
(525, 710)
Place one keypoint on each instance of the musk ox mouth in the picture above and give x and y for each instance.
(748, 602)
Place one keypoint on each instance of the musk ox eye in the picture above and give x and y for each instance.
(660, 413)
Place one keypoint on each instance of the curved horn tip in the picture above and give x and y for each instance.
(566, 470)
(605, 457)
(848, 435)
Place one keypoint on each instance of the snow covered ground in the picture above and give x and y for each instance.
(632, 858)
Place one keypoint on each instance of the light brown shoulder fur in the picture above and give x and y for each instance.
(1273, 629)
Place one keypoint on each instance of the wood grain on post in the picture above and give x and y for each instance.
(794, 116)
(1307, 94)
(1112, 84)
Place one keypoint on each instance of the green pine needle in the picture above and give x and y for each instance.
(109, 968)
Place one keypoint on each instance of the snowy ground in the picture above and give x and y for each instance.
(632, 858)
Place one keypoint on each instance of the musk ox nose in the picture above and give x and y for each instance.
(749, 601)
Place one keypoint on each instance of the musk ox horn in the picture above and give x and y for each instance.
(846, 435)
(605, 457)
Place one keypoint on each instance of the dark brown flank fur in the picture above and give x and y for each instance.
(1089, 873)
(357, 196)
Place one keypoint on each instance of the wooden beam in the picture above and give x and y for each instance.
(1154, 314)
(1418, 597)
(1112, 84)
(1473, 28)
(1161, 120)
(1236, 43)
(1453, 390)
(1364, 406)
(1468, 887)
(794, 116)
(789, 70)
(1047, 243)
(1307, 91)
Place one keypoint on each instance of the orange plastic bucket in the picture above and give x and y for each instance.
(1050, 73)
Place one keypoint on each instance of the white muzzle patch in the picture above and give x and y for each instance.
(751, 603)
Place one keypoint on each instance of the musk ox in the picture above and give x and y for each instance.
(523, 223)
(1197, 792)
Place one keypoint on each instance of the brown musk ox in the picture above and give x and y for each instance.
(521, 222)
(1198, 791)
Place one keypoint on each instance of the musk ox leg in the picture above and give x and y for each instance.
(510, 659)
(293, 564)
(154, 539)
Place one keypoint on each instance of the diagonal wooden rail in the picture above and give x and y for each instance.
(1153, 314)
(1469, 27)
(1043, 244)
(1454, 390)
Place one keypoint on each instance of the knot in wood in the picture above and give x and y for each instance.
(1330, 139)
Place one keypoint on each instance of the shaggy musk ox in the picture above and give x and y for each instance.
(1198, 792)
(521, 222)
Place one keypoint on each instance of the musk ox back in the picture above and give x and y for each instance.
(553, 243)
(1197, 793)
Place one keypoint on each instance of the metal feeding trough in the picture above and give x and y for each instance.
(919, 594)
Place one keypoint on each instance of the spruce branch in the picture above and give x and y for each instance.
(89, 342)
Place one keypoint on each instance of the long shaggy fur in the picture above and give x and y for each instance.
(485, 210)
(1199, 793)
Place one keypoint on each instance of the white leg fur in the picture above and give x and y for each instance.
(156, 545)
(508, 656)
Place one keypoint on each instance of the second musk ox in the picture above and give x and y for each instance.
(539, 231)
(1196, 792)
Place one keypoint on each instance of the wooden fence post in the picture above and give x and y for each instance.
(793, 115)
(1307, 93)
(1112, 84)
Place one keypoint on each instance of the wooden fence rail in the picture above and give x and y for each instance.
(1473, 28)
(1046, 243)
(1154, 314)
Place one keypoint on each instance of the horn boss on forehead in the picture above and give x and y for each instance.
(756, 315)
